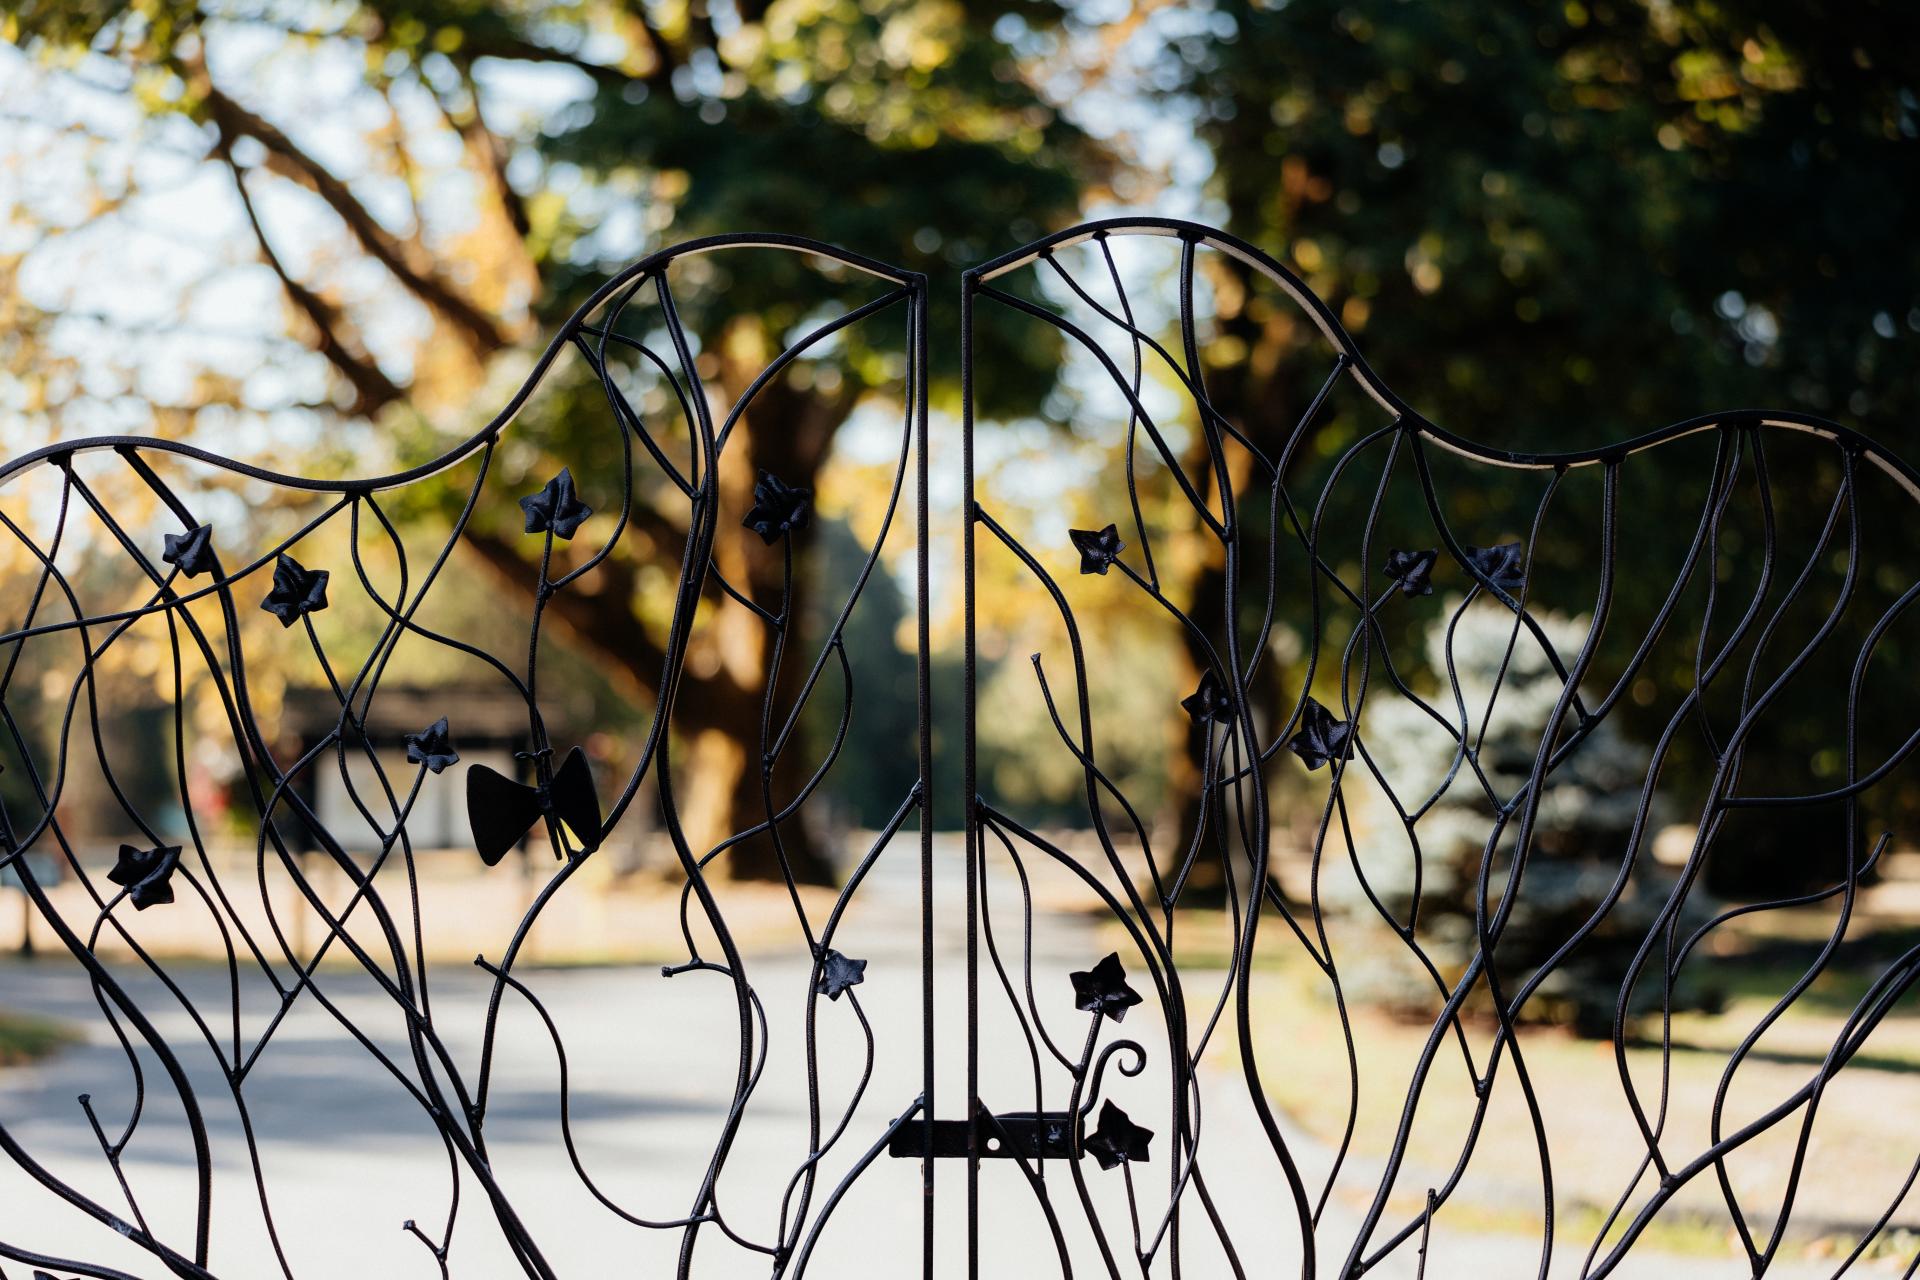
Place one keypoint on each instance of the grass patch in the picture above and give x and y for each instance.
(1677, 1234)
(1593, 1134)
(26, 1038)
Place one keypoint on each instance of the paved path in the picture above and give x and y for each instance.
(348, 1157)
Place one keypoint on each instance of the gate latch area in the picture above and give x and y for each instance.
(1048, 1134)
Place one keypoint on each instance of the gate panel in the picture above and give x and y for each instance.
(289, 1073)
(1352, 762)
(1353, 759)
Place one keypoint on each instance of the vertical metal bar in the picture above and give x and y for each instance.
(917, 356)
(969, 283)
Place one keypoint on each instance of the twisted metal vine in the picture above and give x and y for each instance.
(1254, 718)
(1275, 517)
(556, 804)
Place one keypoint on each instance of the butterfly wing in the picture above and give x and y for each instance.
(499, 810)
(574, 800)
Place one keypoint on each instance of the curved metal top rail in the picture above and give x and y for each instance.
(910, 280)
(1892, 464)
(1906, 476)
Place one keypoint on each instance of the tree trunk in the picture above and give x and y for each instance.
(786, 432)
(1251, 395)
(717, 717)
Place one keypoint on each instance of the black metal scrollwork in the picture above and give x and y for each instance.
(1300, 537)
(1310, 727)
(378, 930)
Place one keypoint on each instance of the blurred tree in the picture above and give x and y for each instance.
(1586, 815)
(1551, 223)
(906, 129)
(1559, 223)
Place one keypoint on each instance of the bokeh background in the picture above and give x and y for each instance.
(330, 237)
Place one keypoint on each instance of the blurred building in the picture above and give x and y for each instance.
(486, 722)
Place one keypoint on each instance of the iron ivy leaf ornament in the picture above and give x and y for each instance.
(297, 591)
(190, 552)
(1117, 1140)
(1322, 737)
(778, 508)
(146, 874)
(1210, 701)
(1103, 989)
(556, 507)
(1098, 548)
(1413, 570)
(502, 811)
(837, 973)
(1500, 566)
(432, 747)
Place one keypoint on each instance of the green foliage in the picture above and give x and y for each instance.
(1556, 225)
(761, 164)
(26, 1038)
(907, 130)
(1550, 223)
(903, 130)
(1557, 222)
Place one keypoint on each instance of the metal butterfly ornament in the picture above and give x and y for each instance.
(502, 811)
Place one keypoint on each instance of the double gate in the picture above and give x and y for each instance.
(1371, 668)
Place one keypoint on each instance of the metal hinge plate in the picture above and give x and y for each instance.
(1051, 1134)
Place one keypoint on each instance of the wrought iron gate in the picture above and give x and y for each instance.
(1094, 1079)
